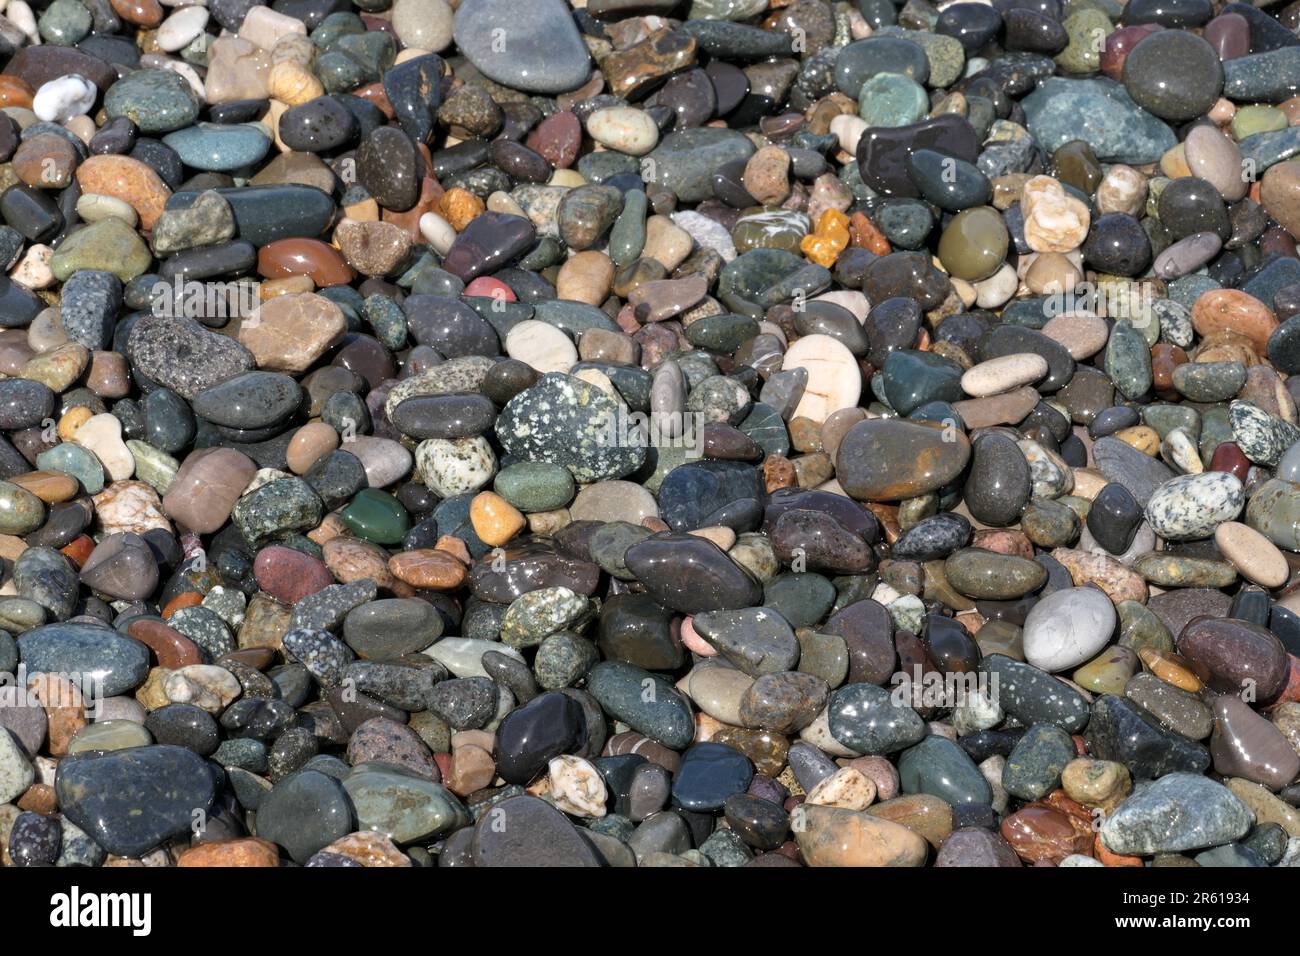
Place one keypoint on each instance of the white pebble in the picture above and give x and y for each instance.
(181, 29)
(437, 232)
(60, 100)
(20, 14)
(541, 346)
(625, 129)
(92, 207)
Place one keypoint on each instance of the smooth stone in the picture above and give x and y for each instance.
(115, 798)
(1178, 812)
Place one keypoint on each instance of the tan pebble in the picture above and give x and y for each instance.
(309, 444)
(455, 547)
(720, 535)
(541, 346)
(1122, 189)
(292, 84)
(1002, 374)
(1252, 554)
(847, 788)
(766, 175)
(1142, 437)
(549, 522)
(1052, 273)
(1054, 221)
(666, 242)
(585, 277)
(1082, 334)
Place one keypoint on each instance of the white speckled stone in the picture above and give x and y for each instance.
(1192, 506)
(1067, 628)
(450, 467)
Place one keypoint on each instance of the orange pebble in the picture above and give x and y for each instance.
(831, 238)
(15, 91)
(78, 549)
(495, 520)
(181, 601)
(865, 235)
(1231, 310)
(1113, 859)
(249, 851)
(460, 207)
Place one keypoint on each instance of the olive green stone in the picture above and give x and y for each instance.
(155, 468)
(1086, 30)
(769, 227)
(109, 735)
(1001, 637)
(1108, 672)
(1139, 627)
(20, 510)
(20, 615)
(109, 245)
(1076, 165)
(823, 655)
(1175, 708)
(915, 510)
(1048, 523)
(627, 236)
(1257, 118)
(1178, 571)
(975, 244)
(376, 516)
(990, 576)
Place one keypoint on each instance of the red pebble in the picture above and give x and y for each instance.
(1228, 457)
(288, 575)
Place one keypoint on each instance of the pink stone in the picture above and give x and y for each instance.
(206, 488)
(289, 575)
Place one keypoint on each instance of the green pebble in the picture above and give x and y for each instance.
(891, 100)
(1257, 118)
(533, 486)
(109, 245)
(377, 516)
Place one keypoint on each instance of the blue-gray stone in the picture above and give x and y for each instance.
(130, 801)
(1100, 112)
(91, 299)
(1268, 77)
(217, 147)
(646, 702)
(1178, 812)
(939, 767)
(116, 663)
(534, 47)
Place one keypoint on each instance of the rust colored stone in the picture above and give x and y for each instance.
(299, 256)
(172, 648)
(249, 851)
